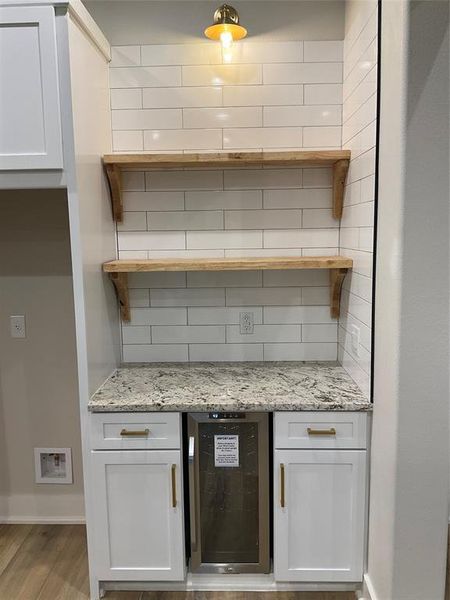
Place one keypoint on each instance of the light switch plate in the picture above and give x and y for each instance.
(355, 334)
(17, 324)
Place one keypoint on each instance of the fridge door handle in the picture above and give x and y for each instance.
(192, 492)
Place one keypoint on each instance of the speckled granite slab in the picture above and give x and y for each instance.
(195, 387)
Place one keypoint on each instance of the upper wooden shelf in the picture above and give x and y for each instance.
(116, 163)
(119, 269)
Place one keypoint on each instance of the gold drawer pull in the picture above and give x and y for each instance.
(282, 493)
(174, 487)
(331, 431)
(135, 433)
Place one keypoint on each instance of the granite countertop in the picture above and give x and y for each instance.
(196, 387)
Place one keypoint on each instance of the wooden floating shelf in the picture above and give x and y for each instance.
(119, 269)
(339, 160)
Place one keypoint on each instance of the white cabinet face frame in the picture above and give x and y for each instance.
(138, 515)
(30, 119)
(319, 533)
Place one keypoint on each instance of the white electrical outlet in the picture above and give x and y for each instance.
(355, 333)
(246, 323)
(17, 324)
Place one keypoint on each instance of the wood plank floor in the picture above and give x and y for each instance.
(48, 562)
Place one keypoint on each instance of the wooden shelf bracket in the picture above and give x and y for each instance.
(337, 277)
(120, 281)
(113, 173)
(340, 170)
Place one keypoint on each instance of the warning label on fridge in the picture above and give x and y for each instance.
(226, 450)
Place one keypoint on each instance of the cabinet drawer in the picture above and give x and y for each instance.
(135, 431)
(320, 430)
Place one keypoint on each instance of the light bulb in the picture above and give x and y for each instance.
(226, 39)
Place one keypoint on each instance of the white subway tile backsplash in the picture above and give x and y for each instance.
(323, 93)
(132, 254)
(128, 141)
(264, 95)
(261, 52)
(308, 352)
(182, 97)
(181, 54)
(297, 314)
(222, 315)
(133, 181)
(267, 137)
(123, 98)
(182, 139)
(264, 333)
(184, 180)
(222, 75)
(158, 316)
(263, 296)
(188, 334)
(193, 220)
(136, 335)
(241, 199)
(317, 218)
(297, 198)
(208, 279)
(319, 333)
(262, 178)
(263, 219)
(315, 296)
(153, 201)
(133, 221)
(141, 77)
(146, 119)
(175, 98)
(163, 279)
(155, 353)
(296, 116)
(308, 238)
(295, 277)
(151, 241)
(322, 137)
(317, 178)
(223, 239)
(302, 73)
(188, 297)
(225, 352)
(323, 51)
(203, 118)
(125, 56)
(139, 298)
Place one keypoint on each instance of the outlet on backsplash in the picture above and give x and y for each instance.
(355, 337)
(246, 322)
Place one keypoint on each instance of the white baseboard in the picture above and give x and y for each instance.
(368, 591)
(30, 520)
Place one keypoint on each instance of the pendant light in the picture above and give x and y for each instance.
(226, 28)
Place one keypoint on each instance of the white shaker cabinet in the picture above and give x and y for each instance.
(319, 501)
(30, 120)
(138, 515)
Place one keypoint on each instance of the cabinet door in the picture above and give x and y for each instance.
(138, 515)
(30, 122)
(319, 515)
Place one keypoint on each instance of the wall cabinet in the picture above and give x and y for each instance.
(30, 120)
(319, 502)
(138, 515)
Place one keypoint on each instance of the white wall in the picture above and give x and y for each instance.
(38, 377)
(174, 22)
(356, 233)
(409, 482)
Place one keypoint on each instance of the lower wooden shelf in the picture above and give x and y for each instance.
(337, 265)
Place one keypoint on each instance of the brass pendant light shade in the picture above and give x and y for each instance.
(226, 21)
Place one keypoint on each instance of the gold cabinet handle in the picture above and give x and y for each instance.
(282, 478)
(174, 486)
(134, 433)
(331, 431)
